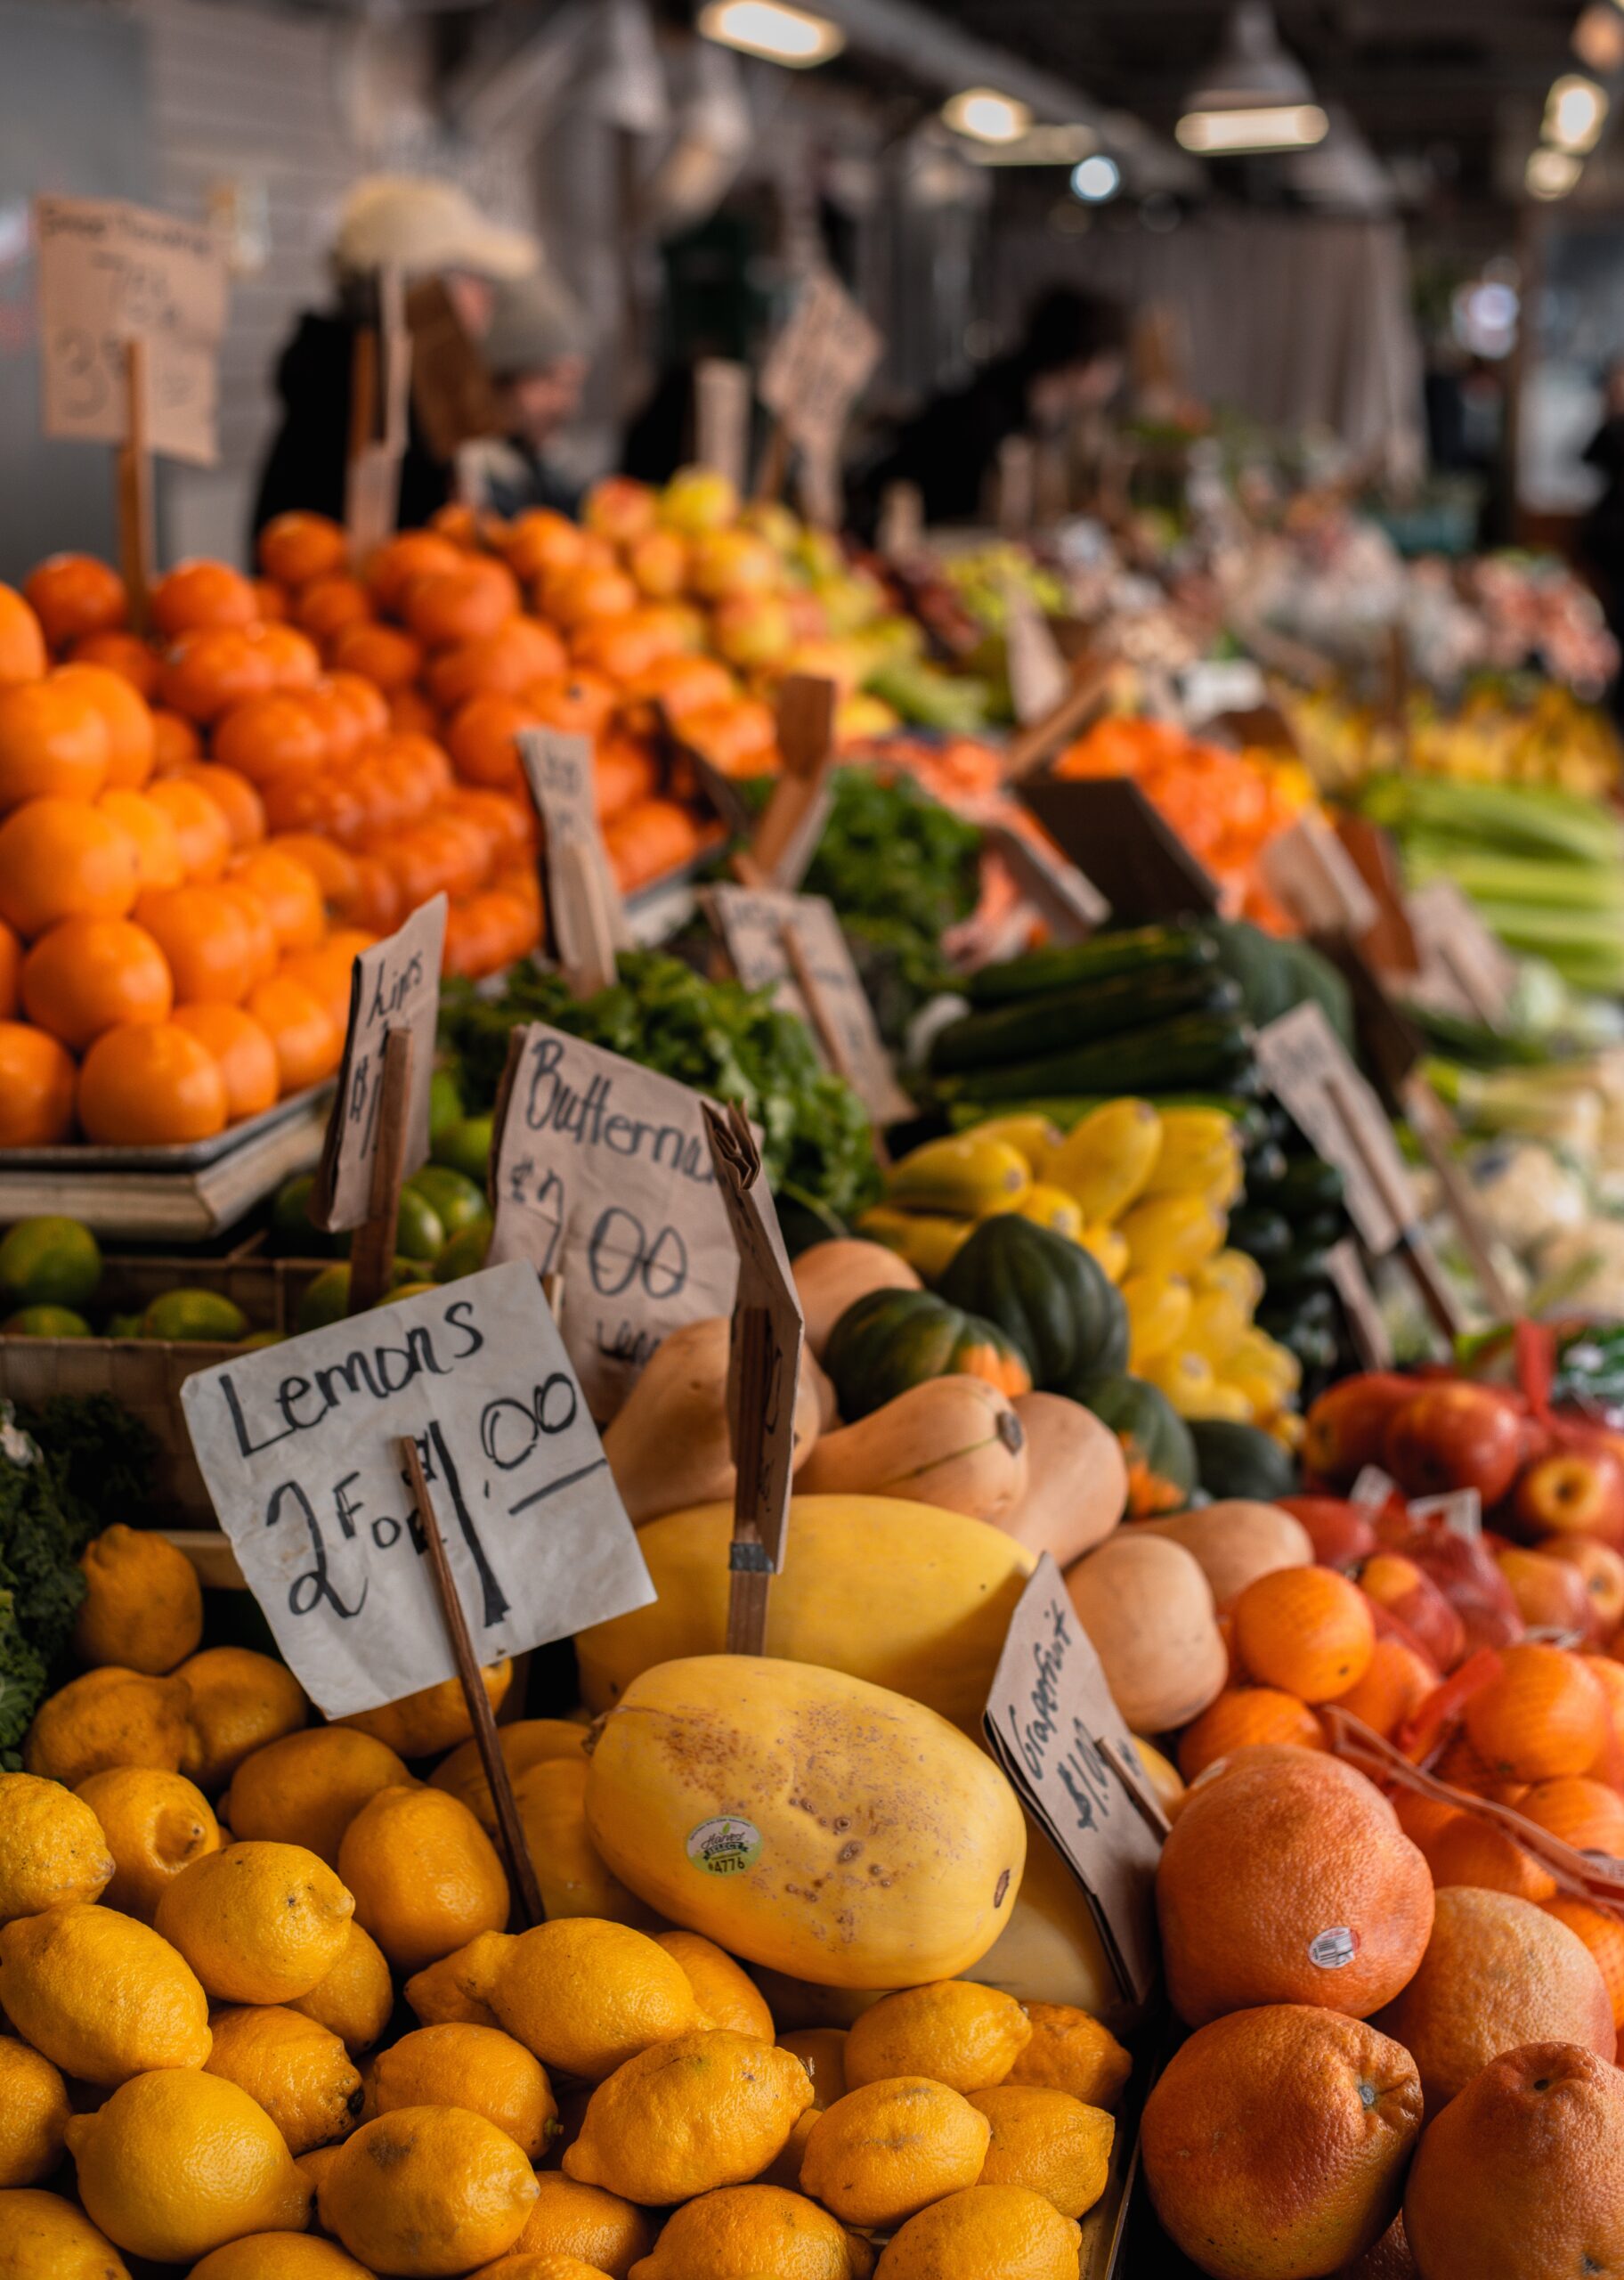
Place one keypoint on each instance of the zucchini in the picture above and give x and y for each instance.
(1263, 1235)
(1314, 1309)
(1310, 1184)
(1194, 1051)
(1318, 1229)
(1265, 1169)
(1138, 949)
(1093, 1009)
(1302, 1269)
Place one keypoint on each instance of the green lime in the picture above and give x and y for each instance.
(291, 1231)
(326, 1299)
(257, 1338)
(464, 1254)
(419, 1231)
(123, 1326)
(459, 1200)
(406, 1291)
(195, 1318)
(50, 1262)
(444, 1102)
(466, 1147)
(46, 1322)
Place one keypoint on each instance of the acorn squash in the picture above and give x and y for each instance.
(1155, 1440)
(888, 1340)
(1048, 1294)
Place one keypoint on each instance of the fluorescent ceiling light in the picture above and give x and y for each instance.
(1039, 146)
(1096, 179)
(1598, 39)
(1278, 126)
(773, 30)
(1575, 112)
(985, 116)
(1551, 173)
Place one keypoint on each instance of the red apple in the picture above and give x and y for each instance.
(1453, 1436)
(1406, 1591)
(1340, 1533)
(1601, 1567)
(1344, 1428)
(1573, 1492)
(1550, 1594)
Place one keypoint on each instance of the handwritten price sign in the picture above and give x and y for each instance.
(395, 985)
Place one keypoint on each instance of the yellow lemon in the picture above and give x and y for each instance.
(308, 1787)
(552, 1802)
(1071, 2051)
(1049, 2141)
(726, 1993)
(33, 2114)
(279, 2255)
(427, 1878)
(584, 2221)
(108, 1717)
(354, 2000)
(314, 2166)
(52, 1848)
(177, 2163)
(527, 1743)
(257, 1923)
(240, 1701)
(142, 1604)
(528, 2267)
(689, 2115)
(747, 2229)
(988, 2228)
(587, 1995)
(101, 1995)
(952, 2030)
(479, 2068)
(426, 2190)
(299, 2073)
(881, 2154)
(457, 1989)
(432, 1720)
(155, 1824)
(43, 2237)
(821, 2051)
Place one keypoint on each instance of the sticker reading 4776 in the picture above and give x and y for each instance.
(724, 1846)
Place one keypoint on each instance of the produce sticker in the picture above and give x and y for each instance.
(395, 985)
(299, 1445)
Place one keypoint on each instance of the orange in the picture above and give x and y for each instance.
(356, 697)
(1609, 1675)
(61, 858)
(158, 861)
(296, 547)
(241, 1051)
(204, 933)
(175, 741)
(736, 737)
(198, 594)
(53, 738)
(307, 1042)
(279, 730)
(199, 823)
(408, 555)
(270, 601)
(488, 931)
(22, 644)
(235, 797)
(683, 684)
(36, 1088)
(1240, 1716)
(10, 971)
(1308, 1630)
(1522, 2176)
(132, 742)
(1287, 1879)
(462, 605)
(289, 891)
(481, 741)
(264, 955)
(213, 668)
(151, 1086)
(1465, 1851)
(323, 801)
(1276, 2142)
(502, 664)
(73, 595)
(1584, 1814)
(332, 867)
(380, 654)
(1603, 1933)
(622, 648)
(582, 705)
(411, 709)
(1396, 1683)
(573, 597)
(293, 659)
(1544, 1715)
(508, 821)
(326, 974)
(541, 539)
(1462, 1769)
(88, 974)
(374, 902)
(1498, 1971)
(120, 652)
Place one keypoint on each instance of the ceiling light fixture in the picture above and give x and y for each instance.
(1227, 134)
(1575, 113)
(1551, 173)
(1039, 146)
(1096, 179)
(1598, 39)
(772, 29)
(1254, 97)
(985, 116)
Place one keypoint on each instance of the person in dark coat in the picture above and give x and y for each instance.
(535, 353)
(1601, 536)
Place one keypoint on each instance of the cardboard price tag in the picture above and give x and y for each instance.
(1309, 872)
(820, 364)
(1305, 1064)
(1464, 968)
(587, 918)
(603, 1175)
(1352, 1285)
(721, 418)
(1059, 1736)
(299, 1445)
(111, 274)
(1461, 1511)
(395, 985)
(792, 943)
(1107, 826)
(1039, 678)
(1070, 905)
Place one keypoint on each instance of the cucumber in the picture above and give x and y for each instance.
(1302, 1269)
(1265, 1169)
(1138, 950)
(1263, 1235)
(1199, 1051)
(1314, 1309)
(1095, 1009)
(1318, 1229)
(1310, 1183)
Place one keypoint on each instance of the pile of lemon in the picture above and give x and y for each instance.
(267, 2021)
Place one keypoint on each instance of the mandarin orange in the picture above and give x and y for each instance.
(204, 933)
(297, 546)
(63, 859)
(36, 1082)
(158, 859)
(1308, 1630)
(132, 741)
(53, 739)
(150, 1086)
(73, 595)
(243, 1054)
(1544, 1715)
(200, 828)
(22, 644)
(235, 797)
(88, 974)
(198, 594)
(307, 1042)
(120, 652)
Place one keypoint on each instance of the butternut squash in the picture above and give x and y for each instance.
(901, 1594)
(1050, 1952)
(820, 1825)
(1236, 1542)
(670, 1446)
(1076, 1479)
(954, 1442)
(1148, 1607)
(830, 1276)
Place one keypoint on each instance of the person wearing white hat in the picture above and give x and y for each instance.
(535, 353)
(429, 229)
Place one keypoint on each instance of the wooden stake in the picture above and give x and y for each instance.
(510, 1829)
(774, 470)
(372, 1245)
(827, 1031)
(751, 1569)
(806, 744)
(1430, 1122)
(1032, 746)
(135, 487)
(1420, 1259)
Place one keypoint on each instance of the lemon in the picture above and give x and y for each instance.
(195, 1317)
(427, 2190)
(477, 2067)
(46, 1322)
(307, 1788)
(1049, 2141)
(458, 1988)
(143, 1605)
(528, 2267)
(444, 1102)
(297, 2071)
(240, 1701)
(155, 1823)
(291, 1229)
(427, 1878)
(464, 1253)
(457, 1201)
(726, 1993)
(324, 1299)
(405, 1290)
(587, 1995)
(744, 2230)
(433, 1719)
(528, 1742)
(356, 1998)
(43, 2237)
(881, 2154)
(821, 2051)
(987, 2228)
(257, 1923)
(279, 2255)
(689, 2115)
(101, 1995)
(465, 1146)
(33, 2114)
(179, 2162)
(1069, 2050)
(570, 1869)
(951, 2031)
(52, 1848)
(582, 2220)
(49, 1262)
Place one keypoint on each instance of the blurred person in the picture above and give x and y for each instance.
(433, 229)
(1601, 534)
(536, 355)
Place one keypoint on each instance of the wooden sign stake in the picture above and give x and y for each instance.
(510, 1829)
(1032, 746)
(1430, 1122)
(1420, 1259)
(806, 744)
(749, 1568)
(372, 1245)
(134, 476)
(828, 1031)
(774, 470)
